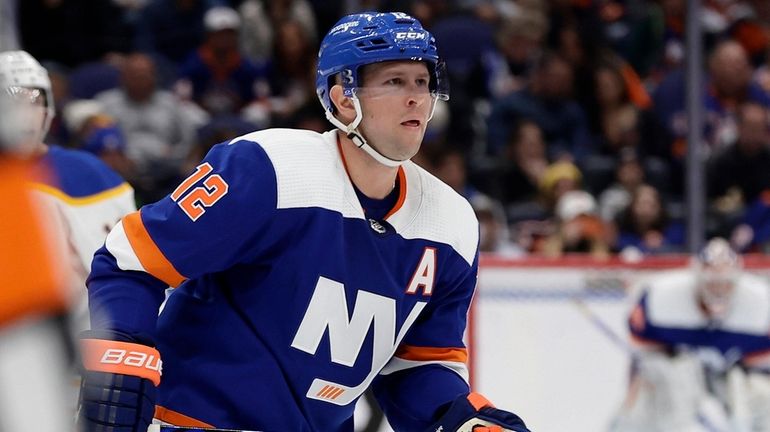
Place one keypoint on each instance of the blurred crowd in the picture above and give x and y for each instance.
(566, 127)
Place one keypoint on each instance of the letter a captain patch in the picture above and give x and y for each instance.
(424, 274)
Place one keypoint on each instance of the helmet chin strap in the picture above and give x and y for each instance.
(352, 132)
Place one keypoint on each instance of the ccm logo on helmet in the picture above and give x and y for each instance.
(132, 358)
(410, 35)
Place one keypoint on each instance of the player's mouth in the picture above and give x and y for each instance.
(411, 123)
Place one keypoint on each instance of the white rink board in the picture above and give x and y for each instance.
(539, 354)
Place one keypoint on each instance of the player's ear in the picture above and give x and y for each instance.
(345, 109)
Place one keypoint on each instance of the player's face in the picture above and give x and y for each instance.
(717, 286)
(396, 104)
(23, 117)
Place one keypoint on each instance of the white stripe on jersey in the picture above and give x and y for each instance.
(398, 364)
(118, 245)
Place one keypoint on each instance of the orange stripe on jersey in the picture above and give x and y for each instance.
(759, 358)
(178, 419)
(121, 357)
(336, 393)
(401, 180)
(33, 281)
(646, 343)
(637, 319)
(401, 193)
(415, 353)
(478, 401)
(152, 259)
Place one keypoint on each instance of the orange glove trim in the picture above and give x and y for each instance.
(478, 401)
(122, 357)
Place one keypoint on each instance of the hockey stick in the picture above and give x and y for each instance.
(603, 327)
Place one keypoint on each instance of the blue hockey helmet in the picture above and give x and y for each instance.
(360, 39)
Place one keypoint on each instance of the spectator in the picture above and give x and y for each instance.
(494, 236)
(558, 179)
(291, 74)
(466, 40)
(618, 124)
(546, 101)
(579, 229)
(524, 164)
(629, 175)
(746, 160)
(450, 167)
(742, 199)
(729, 85)
(645, 226)
(95, 132)
(519, 43)
(159, 131)
(534, 222)
(171, 29)
(217, 76)
(261, 19)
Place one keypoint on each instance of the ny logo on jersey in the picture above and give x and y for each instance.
(328, 312)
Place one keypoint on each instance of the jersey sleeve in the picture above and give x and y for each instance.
(644, 334)
(430, 369)
(213, 220)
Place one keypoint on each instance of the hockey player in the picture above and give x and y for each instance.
(309, 267)
(33, 348)
(85, 197)
(703, 339)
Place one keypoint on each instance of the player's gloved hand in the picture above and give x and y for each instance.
(117, 392)
(473, 413)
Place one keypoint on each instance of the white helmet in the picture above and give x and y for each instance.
(717, 268)
(19, 71)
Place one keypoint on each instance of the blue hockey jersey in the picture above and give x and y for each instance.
(290, 300)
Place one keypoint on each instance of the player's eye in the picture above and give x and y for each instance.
(394, 81)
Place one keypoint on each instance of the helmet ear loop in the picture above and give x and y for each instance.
(350, 129)
(434, 102)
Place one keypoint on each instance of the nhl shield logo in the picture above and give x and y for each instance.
(376, 226)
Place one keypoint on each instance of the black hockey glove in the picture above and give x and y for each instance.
(117, 392)
(473, 413)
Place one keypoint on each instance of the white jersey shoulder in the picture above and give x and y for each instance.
(750, 310)
(434, 211)
(310, 173)
(672, 302)
(308, 170)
